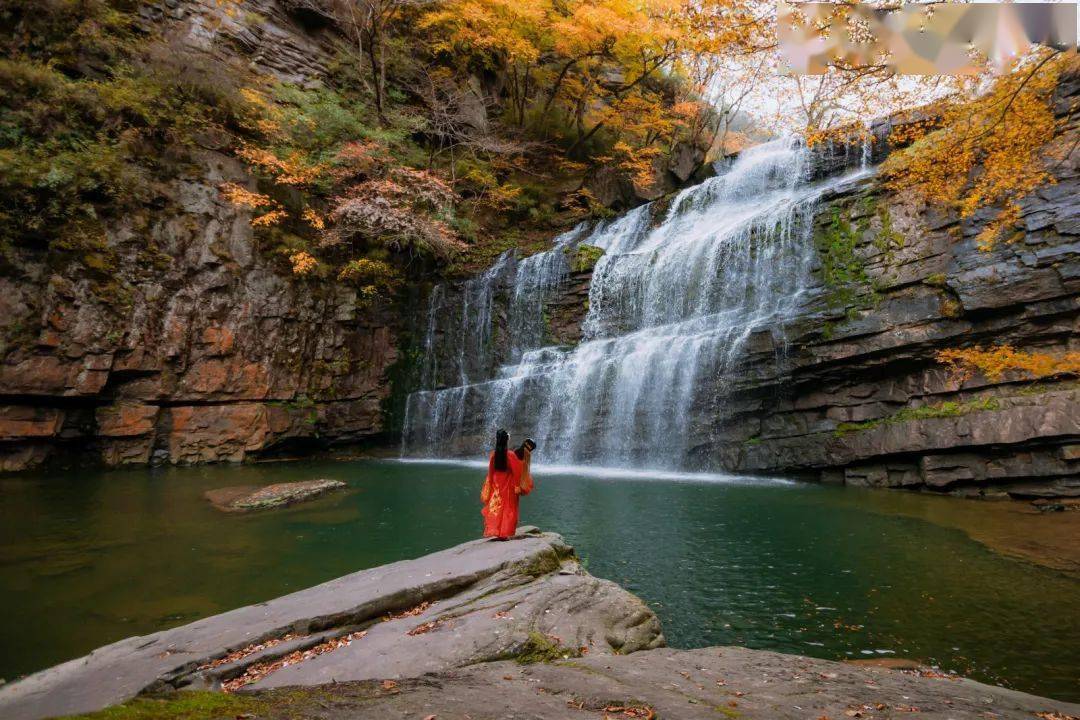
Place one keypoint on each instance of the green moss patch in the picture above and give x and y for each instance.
(540, 648)
(193, 705)
(586, 257)
(940, 410)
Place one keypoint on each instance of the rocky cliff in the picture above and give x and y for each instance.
(854, 394)
(180, 339)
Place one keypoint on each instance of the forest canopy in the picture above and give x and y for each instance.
(445, 132)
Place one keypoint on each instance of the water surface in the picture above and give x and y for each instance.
(87, 558)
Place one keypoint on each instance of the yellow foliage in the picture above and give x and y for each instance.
(314, 219)
(242, 197)
(293, 170)
(993, 362)
(271, 218)
(983, 151)
(302, 262)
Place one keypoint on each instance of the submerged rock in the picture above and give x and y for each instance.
(246, 499)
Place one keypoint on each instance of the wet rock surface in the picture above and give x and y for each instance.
(246, 499)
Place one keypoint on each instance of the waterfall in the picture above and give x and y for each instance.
(673, 303)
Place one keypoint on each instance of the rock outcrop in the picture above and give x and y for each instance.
(248, 499)
(182, 340)
(478, 602)
(700, 684)
(486, 630)
(852, 393)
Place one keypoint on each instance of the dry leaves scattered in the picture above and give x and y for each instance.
(260, 670)
(411, 612)
(1055, 716)
(244, 652)
(425, 627)
(631, 711)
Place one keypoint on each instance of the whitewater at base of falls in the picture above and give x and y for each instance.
(672, 306)
(616, 473)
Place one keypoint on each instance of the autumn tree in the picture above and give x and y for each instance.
(983, 148)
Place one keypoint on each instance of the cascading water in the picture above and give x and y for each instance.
(671, 307)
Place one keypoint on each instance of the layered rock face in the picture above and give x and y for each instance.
(182, 341)
(215, 355)
(854, 394)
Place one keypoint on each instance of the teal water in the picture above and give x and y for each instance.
(87, 558)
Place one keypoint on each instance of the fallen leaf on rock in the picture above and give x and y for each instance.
(502, 615)
(632, 711)
(429, 717)
(1055, 716)
(411, 612)
(508, 677)
(260, 670)
(388, 684)
(424, 628)
(243, 652)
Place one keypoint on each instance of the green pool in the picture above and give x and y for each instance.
(87, 558)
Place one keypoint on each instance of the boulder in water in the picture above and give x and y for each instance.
(246, 498)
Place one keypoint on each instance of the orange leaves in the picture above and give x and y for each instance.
(293, 170)
(258, 671)
(984, 150)
(314, 219)
(636, 162)
(242, 197)
(302, 263)
(994, 362)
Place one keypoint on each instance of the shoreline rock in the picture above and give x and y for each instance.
(483, 629)
(474, 603)
(247, 498)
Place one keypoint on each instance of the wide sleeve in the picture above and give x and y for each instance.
(526, 485)
(485, 492)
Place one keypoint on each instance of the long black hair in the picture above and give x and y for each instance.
(502, 439)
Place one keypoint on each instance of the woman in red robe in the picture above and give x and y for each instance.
(501, 489)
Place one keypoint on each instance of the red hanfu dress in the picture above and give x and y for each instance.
(500, 497)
